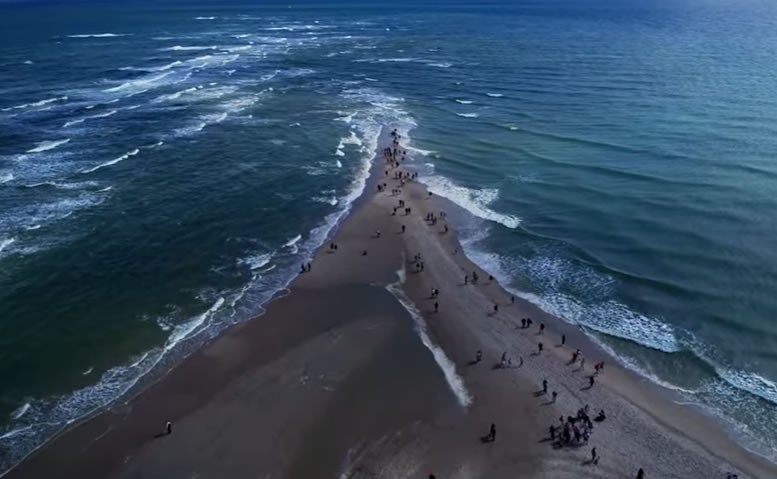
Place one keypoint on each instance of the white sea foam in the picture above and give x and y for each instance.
(440, 64)
(173, 96)
(455, 382)
(420, 151)
(88, 371)
(476, 202)
(5, 243)
(47, 145)
(190, 328)
(292, 243)
(37, 103)
(468, 115)
(339, 152)
(92, 117)
(205, 18)
(338, 164)
(189, 48)
(20, 411)
(140, 85)
(5, 177)
(256, 261)
(113, 161)
(494, 95)
(77, 185)
(98, 35)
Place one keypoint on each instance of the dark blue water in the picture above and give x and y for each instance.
(165, 169)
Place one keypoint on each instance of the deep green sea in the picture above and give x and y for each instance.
(164, 170)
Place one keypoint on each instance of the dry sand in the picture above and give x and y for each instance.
(339, 378)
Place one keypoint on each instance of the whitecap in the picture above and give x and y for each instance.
(6, 177)
(88, 371)
(475, 201)
(256, 261)
(468, 115)
(495, 95)
(92, 117)
(190, 328)
(293, 241)
(205, 18)
(338, 164)
(98, 35)
(36, 104)
(47, 145)
(6, 243)
(189, 48)
(20, 411)
(440, 65)
(113, 161)
(464, 102)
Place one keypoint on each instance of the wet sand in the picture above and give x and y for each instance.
(333, 380)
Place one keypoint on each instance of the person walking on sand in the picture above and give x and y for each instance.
(169, 427)
(591, 381)
(403, 228)
(640, 474)
(496, 308)
(544, 386)
(512, 299)
(436, 306)
(542, 328)
(594, 457)
(563, 339)
(478, 356)
(539, 348)
(492, 433)
(554, 396)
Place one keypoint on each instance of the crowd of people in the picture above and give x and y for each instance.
(570, 431)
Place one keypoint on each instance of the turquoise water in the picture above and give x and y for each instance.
(164, 170)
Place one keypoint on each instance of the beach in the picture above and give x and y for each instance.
(358, 370)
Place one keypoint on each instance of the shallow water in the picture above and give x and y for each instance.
(164, 170)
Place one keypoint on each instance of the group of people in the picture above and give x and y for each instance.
(571, 431)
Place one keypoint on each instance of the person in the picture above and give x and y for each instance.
(169, 427)
(436, 306)
(403, 228)
(496, 308)
(528, 322)
(523, 323)
(600, 416)
(302, 270)
(539, 347)
(555, 395)
(591, 381)
(552, 432)
(310, 266)
(364, 253)
(377, 234)
(490, 277)
(542, 328)
(593, 455)
(492, 432)
(431, 476)
(466, 279)
(446, 228)
(503, 361)
(544, 386)
(478, 356)
(512, 299)
(563, 339)
(640, 474)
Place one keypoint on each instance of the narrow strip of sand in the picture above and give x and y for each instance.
(361, 371)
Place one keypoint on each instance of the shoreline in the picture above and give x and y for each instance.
(193, 392)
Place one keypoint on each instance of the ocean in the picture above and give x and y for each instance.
(165, 169)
